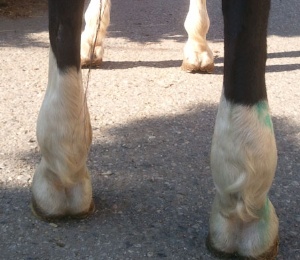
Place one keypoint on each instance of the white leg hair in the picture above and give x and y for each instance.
(243, 164)
(61, 184)
(92, 17)
(197, 54)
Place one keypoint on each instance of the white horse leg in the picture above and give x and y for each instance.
(244, 155)
(91, 31)
(197, 54)
(61, 184)
(243, 164)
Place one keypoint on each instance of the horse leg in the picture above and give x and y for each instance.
(95, 27)
(61, 184)
(197, 54)
(244, 156)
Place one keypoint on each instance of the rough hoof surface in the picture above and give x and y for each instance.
(194, 68)
(85, 64)
(37, 212)
(269, 255)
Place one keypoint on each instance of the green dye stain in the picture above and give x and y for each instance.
(264, 223)
(265, 212)
(262, 109)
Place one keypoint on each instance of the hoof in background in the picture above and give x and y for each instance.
(191, 68)
(85, 64)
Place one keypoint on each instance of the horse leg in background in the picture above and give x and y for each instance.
(95, 27)
(244, 156)
(197, 54)
(61, 184)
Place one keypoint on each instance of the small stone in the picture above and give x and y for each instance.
(60, 244)
(53, 225)
(150, 254)
(196, 226)
(107, 173)
(31, 140)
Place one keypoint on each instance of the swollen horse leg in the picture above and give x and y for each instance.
(197, 54)
(61, 184)
(95, 27)
(244, 156)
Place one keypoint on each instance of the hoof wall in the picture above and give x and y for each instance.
(85, 64)
(269, 255)
(218, 253)
(191, 68)
(37, 212)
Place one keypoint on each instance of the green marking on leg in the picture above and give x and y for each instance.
(265, 213)
(262, 110)
(264, 222)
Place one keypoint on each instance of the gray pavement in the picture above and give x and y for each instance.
(152, 128)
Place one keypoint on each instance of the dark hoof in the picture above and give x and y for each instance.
(194, 69)
(39, 213)
(269, 255)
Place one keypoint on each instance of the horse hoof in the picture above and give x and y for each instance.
(87, 63)
(191, 68)
(268, 255)
(216, 252)
(40, 214)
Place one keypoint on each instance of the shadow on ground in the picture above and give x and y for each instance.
(153, 193)
(124, 65)
(153, 21)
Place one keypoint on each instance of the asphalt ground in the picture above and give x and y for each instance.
(152, 128)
